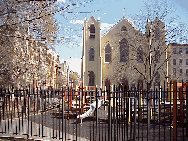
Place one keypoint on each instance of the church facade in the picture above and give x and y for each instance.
(123, 55)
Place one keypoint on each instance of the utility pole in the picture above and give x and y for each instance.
(68, 73)
(149, 84)
(68, 76)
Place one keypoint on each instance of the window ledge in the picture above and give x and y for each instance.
(107, 62)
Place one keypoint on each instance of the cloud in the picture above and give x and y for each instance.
(61, 1)
(76, 21)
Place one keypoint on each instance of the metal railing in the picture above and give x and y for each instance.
(115, 114)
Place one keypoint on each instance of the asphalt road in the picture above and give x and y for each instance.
(93, 130)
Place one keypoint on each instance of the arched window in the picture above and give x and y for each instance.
(91, 54)
(124, 50)
(140, 85)
(123, 28)
(139, 55)
(107, 84)
(91, 78)
(108, 54)
(92, 31)
(133, 87)
(124, 83)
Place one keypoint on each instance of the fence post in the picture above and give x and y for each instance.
(130, 108)
(174, 111)
(140, 105)
(96, 114)
(62, 109)
(134, 134)
(28, 94)
(109, 114)
(148, 108)
(186, 110)
(70, 96)
(181, 104)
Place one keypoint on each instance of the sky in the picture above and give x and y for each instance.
(70, 22)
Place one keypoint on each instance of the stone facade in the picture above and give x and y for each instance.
(27, 62)
(91, 43)
(122, 54)
(178, 61)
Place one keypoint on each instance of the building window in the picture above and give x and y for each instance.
(124, 50)
(174, 61)
(139, 55)
(108, 54)
(174, 50)
(92, 31)
(91, 78)
(186, 49)
(180, 72)
(123, 28)
(180, 61)
(157, 56)
(187, 72)
(149, 33)
(174, 71)
(186, 61)
(91, 54)
(180, 50)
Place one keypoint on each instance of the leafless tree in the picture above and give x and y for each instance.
(160, 29)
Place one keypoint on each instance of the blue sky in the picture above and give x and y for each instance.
(110, 12)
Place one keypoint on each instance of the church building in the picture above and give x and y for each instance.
(121, 55)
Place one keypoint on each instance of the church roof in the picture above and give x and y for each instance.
(92, 18)
(126, 20)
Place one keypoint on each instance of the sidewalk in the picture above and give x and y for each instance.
(23, 131)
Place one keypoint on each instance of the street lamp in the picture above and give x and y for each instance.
(68, 76)
(68, 63)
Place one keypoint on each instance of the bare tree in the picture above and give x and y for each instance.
(159, 30)
(22, 22)
(73, 77)
(61, 80)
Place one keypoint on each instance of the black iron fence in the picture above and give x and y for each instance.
(111, 114)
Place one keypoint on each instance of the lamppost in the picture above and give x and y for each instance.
(58, 74)
(149, 84)
(68, 63)
(68, 76)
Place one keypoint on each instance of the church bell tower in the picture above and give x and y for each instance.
(91, 53)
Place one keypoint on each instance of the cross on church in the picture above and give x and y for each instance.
(124, 13)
